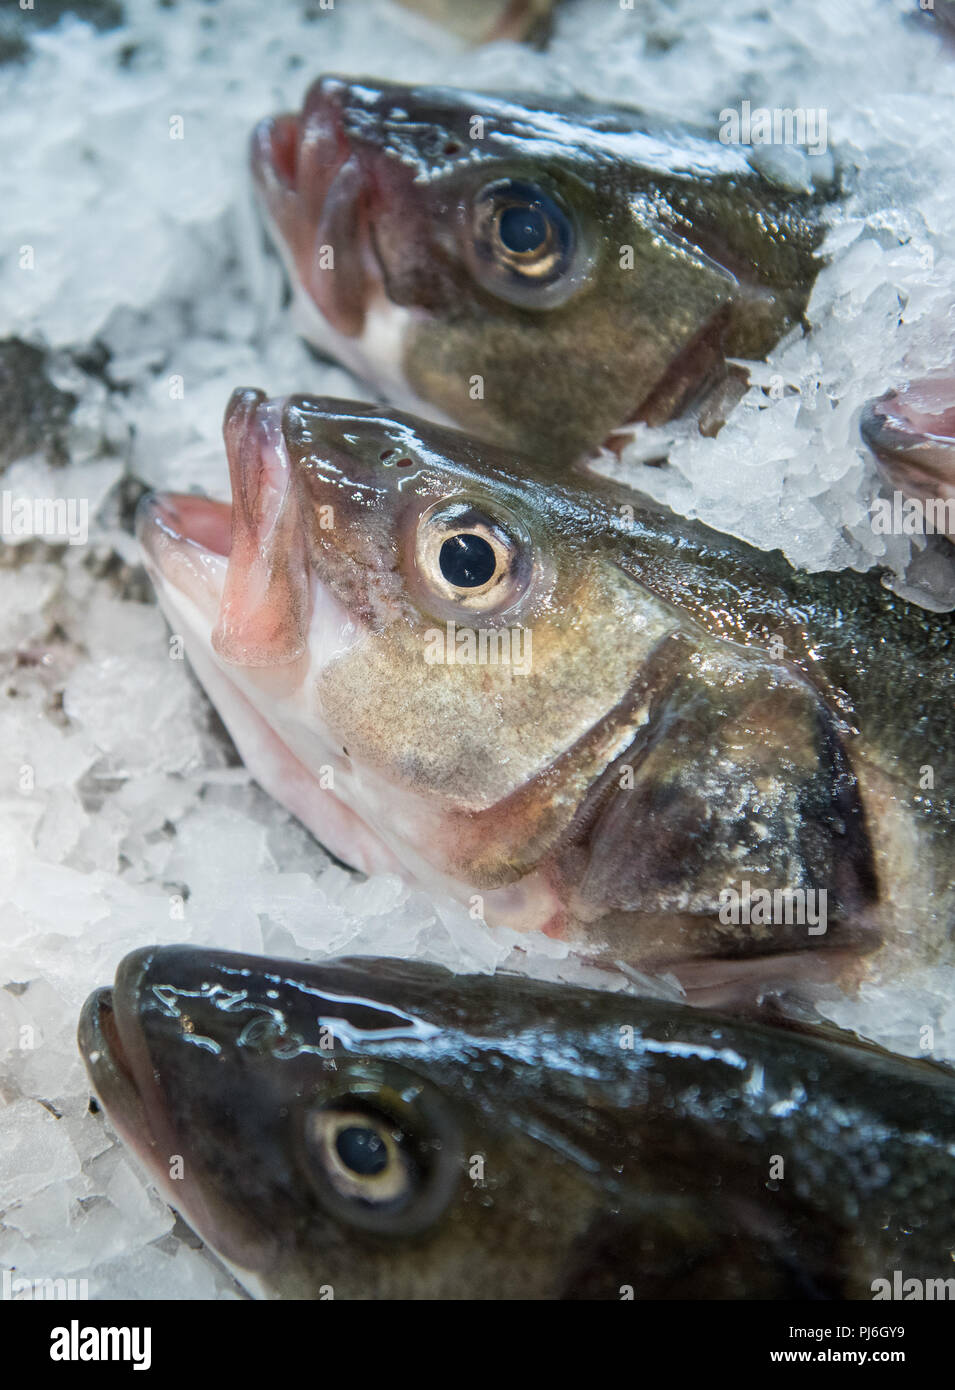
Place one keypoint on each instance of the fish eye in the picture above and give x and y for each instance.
(522, 230)
(379, 1156)
(467, 560)
(361, 1156)
(523, 245)
(471, 560)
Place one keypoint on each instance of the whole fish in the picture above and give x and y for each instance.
(537, 272)
(575, 713)
(911, 431)
(380, 1129)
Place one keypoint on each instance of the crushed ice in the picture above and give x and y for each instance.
(124, 818)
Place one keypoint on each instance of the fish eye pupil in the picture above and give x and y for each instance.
(522, 229)
(467, 561)
(362, 1150)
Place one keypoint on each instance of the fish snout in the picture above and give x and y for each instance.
(298, 154)
(352, 453)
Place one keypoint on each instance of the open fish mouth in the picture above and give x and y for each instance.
(306, 172)
(239, 564)
(259, 625)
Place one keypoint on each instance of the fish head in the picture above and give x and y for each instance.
(400, 630)
(333, 1130)
(498, 686)
(384, 1129)
(535, 272)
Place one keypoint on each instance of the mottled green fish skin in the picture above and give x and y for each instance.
(533, 1141)
(666, 252)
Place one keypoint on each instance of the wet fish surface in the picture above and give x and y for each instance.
(573, 712)
(381, 1129)
(536, 271)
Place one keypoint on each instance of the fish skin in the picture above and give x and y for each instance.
(552, 355)
(601, 1165)
(911, 431)
(694, 714)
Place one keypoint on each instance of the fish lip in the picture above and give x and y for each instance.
(908, 453)
(123, 1074)
(117, 1060)
(283, 144)
(309, 174)
(274, 153)
(107, 1064)
(167, 512)
(700, 369)
(187, 539)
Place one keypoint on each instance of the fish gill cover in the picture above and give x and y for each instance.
(133, 261)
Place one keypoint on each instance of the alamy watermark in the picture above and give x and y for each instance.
(911, 516)
(763, 125)
(483, 646)
(41, 1290)
(914, 1289)
(765, 907)
(50, 518)
(76, 1343)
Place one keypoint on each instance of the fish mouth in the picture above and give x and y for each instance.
(694, 380)
(242, 566)
(108, 1066)
(318, 195)
(911, 432)
(236, 582)
(127, 1078)
(120, 1069)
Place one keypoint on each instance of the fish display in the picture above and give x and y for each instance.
(575, 712)
(379, 1129)
(535, 271)
(911, 431)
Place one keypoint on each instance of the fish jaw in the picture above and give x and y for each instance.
(314, 193)
(123, 1072)
(911, 431)
(224, 576)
